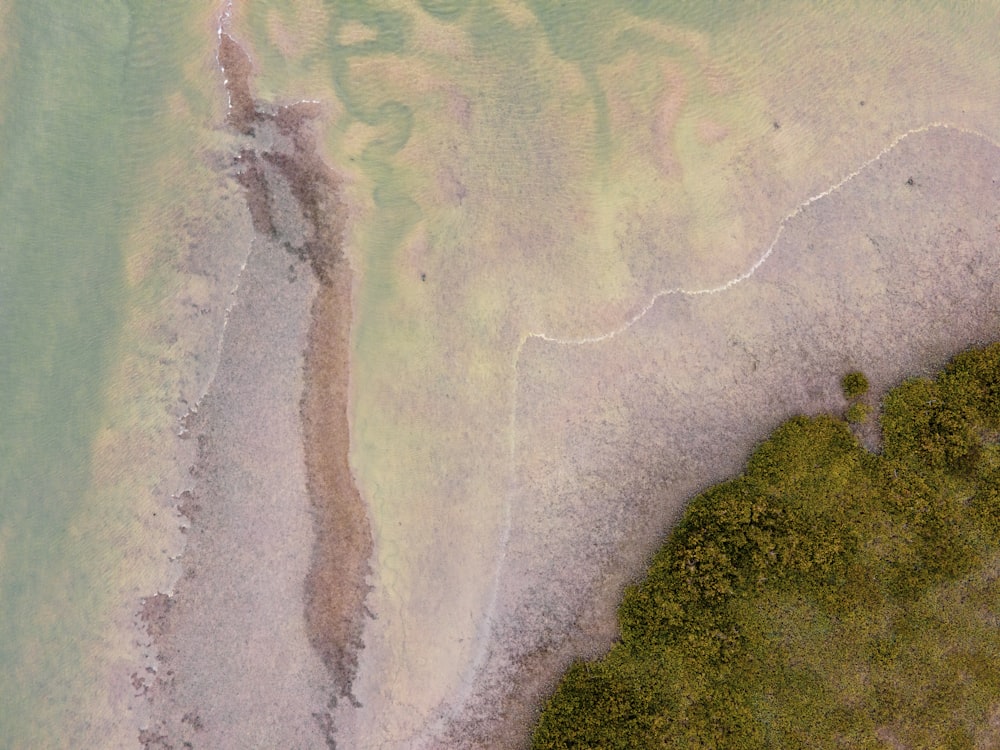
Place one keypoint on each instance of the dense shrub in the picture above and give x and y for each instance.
(854, 385)
(857, 413)
(824, 598)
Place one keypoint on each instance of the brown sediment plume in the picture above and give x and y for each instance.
(294, 198)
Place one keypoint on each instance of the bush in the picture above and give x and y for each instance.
(820, 595)
(857, 413)
(854, 385)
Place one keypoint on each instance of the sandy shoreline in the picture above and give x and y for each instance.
(264, 631)
(258, 640)
(892, 273)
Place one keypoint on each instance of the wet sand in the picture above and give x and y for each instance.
(266, 640)
(258, 641)
(891, 272)
(235, 665)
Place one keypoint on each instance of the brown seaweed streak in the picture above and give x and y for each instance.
(294, 200)
(639, 315)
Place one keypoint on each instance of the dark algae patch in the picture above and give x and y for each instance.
(292, 195)
(294, 199)
(826, 597)
(259, 640)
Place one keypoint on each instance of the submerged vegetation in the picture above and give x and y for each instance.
(827, 597)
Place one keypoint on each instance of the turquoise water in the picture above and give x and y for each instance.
(85, 84)
(61, 299)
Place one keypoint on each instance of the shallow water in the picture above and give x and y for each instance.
(85, 127)
(515, 167)
(61, 300)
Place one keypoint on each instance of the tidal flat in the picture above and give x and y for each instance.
(586, 257)
(529, 181)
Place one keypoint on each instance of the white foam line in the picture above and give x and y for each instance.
(223, 28)
(490, 618)
(762, 259)
(224, 18)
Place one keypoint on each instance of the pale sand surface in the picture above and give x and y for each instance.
(526, 218)
(255, 643)
(194, 251)
(610, 438)
(235, 666)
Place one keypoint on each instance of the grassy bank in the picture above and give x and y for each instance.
(827, 597)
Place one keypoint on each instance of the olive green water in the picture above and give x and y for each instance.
(83, 120)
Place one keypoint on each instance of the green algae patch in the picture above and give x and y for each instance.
(826, 597)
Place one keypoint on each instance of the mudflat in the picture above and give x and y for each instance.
(890, 271)
(267, 638)
(257, 642)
